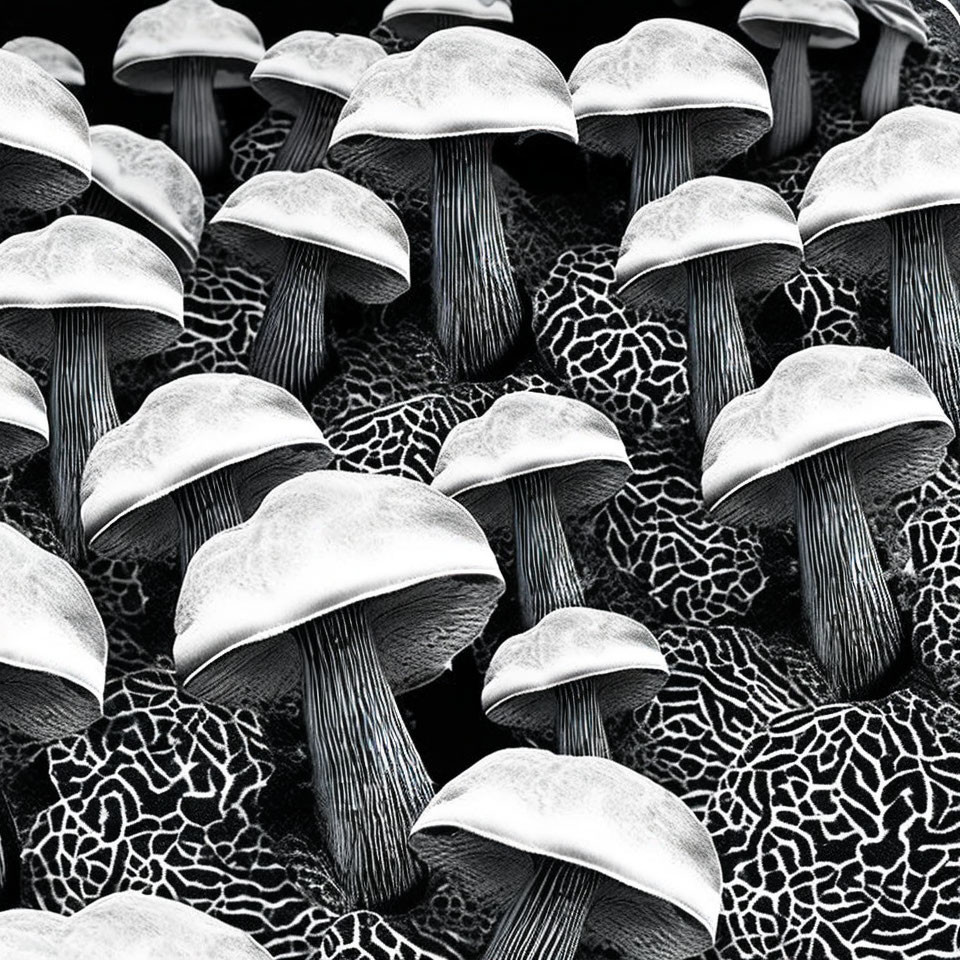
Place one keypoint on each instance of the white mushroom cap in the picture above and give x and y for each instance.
(55, 58)
(665, 65)
(32, 934)
(748, 222)
(569, 644)
(832, 23)
(23, 415)
(899, 15)
(659, 895)
(525, 433)
(157, 36)
(320, 542)
(820, 398)
(415, 19)
(371, 252)
(184, 430)
(53, 647)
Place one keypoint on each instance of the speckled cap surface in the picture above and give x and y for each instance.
(831, 23)
(415, 19)
(55, 58)
(23, 414)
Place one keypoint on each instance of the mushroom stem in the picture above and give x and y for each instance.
(546, 576)
(718, 358)
(290, 348)
(9, 858)
(82, 410)
(307, 141)
(790, 92)
(205, 506)
(853, 624)
(369, 781)
(662, 158)
(195, 131)
(477, 308)
(579, 725)
(881, 89)
(97, 202)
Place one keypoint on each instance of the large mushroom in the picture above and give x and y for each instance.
(437, 110)
(575, 852)
(55, 58)
(311, 231)
(534, 460)
(415, 19)
(835, 431)
(352, 586)
(677, 98)
(698, 249)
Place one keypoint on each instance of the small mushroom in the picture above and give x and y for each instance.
(576, 667)
(312, 232)
(791, 27)
(835, 431)
(575, 852)
(310, 75)
(190, 49)
(56, 59)
(439, 108)
(415, 19)
(700, 248)
(196, 458)
(352, 586)
(678, 98)
(85, 293)
(534, 459)
(23, 415)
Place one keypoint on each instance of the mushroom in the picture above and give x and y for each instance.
(23, 415)
(190, 49)
(575, 851)
(439, 108)
(310, 75)
(534, 459)
(700, 248)
(352, 585)
(887, 201)
(415, 19)
(311, 231)
(85, 293)
(56, 59)
(835, 431)
(576, 667)
(791, 27)
(196, 458)
(678, 98)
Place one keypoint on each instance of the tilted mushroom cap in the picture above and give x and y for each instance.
(899, 15)
(53, 647)
(748, 222)
(88, 262)
(56, 59)
(525, 433)
(149, 178)
(817, 399)
(664, 65)
(185, 430)
(323, 541)
(417, 18)
(659, 893)
(23, 414)
(158, 36)
(832, 23)
(572, 643)
(371, 252)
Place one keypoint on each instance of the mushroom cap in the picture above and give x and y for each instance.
(899, 15)
(186, 429)
(415, 19)
(832, 23)
(32, 934)
(43, 125)
(156, 184)
(659, 892)
(158, 36)
(569, 644)
(749, 223)
(665, 64)
(53, 647)
(312, 60)
(525, 433)
(23, 415)
(371, 252)
(906, 161)
(81, 262)
(55, 58)
(322, 541)
(817, 399)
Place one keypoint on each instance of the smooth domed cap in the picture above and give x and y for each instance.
(572, 643)
(23, 415)
(415, 19)
(900, 15)
(659, 894)
(665, 64)
(322, 541)
(832, 23)
(55, 58)
(44, 127)
(53, 647)
(184, 430)
(371, 252)
(749, 223)
(525, 433)
(870, 400)
(158, 36)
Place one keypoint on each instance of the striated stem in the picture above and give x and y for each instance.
(307, 141)
(97, 202)
(195, 131)
(790, 92)
(205, 507)
(662, 158)
(579, 726)
(881, 89)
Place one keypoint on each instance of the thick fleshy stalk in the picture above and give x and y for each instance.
(369, 781)
(309, 137)
(97, 202)
(579, 724)
(195, 132)
(476, 305)
(662, 158)
(206, 506)
(9, 858)
(851, 619)
(881, 89)
(790, 92)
